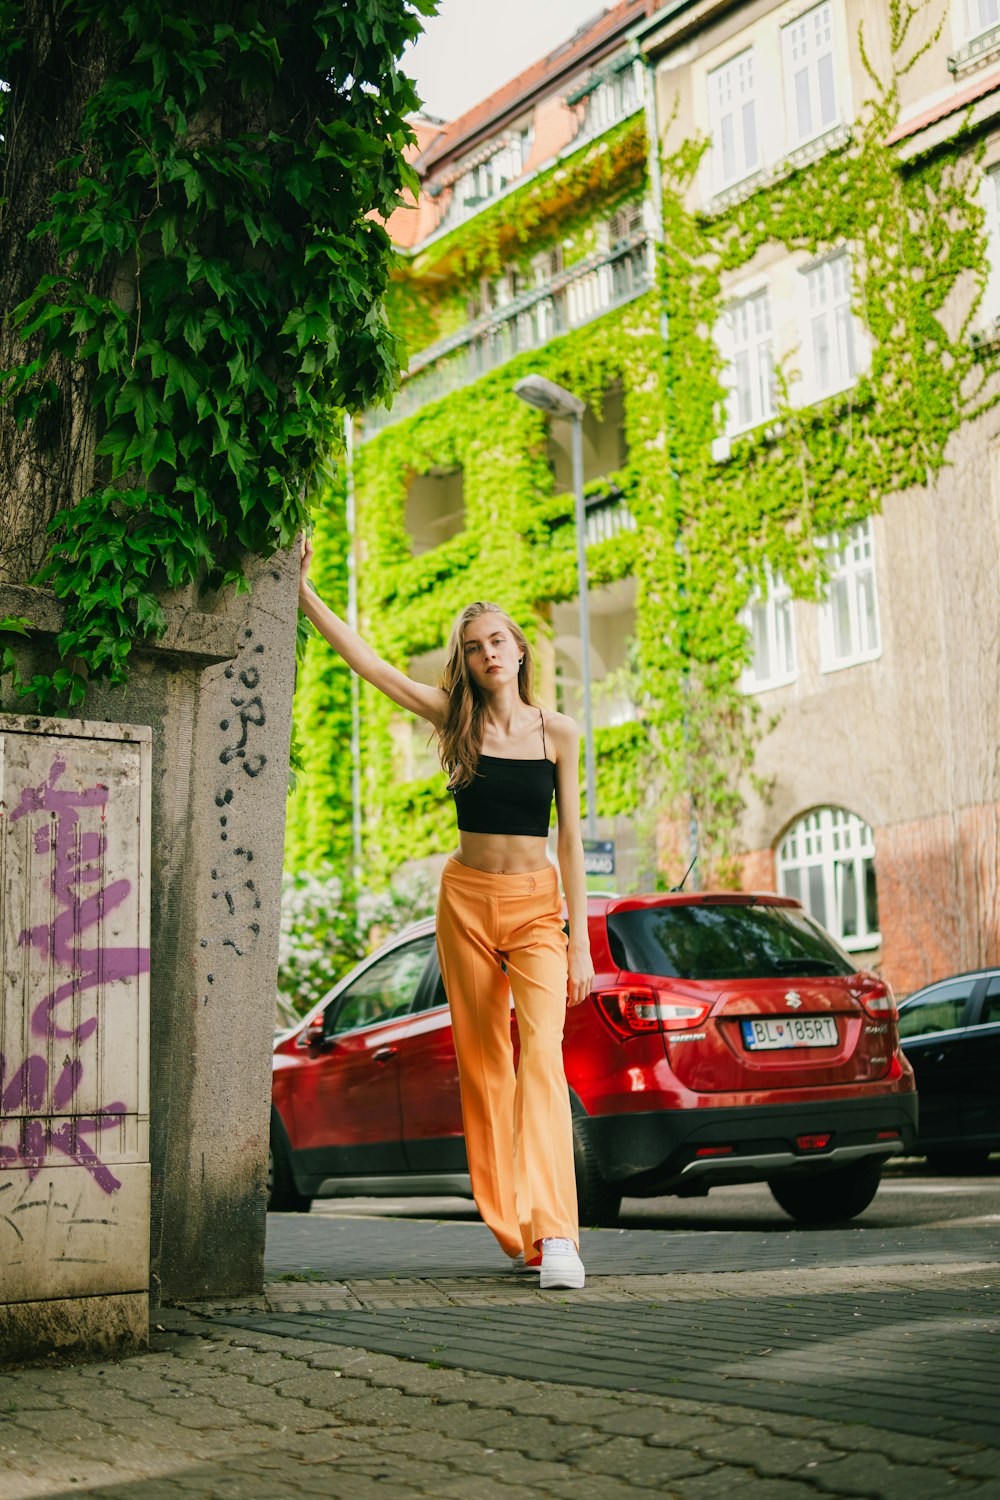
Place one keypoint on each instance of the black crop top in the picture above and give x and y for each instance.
(508, 796)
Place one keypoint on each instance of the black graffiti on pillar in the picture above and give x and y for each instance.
(232, 889)
(250, 714)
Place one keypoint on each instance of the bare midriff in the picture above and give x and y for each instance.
(502, 853)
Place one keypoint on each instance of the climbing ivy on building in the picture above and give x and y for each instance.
(318, 824)
(549, 207)
(917, 236)
(707, 530)
(517, 547)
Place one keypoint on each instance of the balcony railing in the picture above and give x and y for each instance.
(801, 156)
(981, 49)
(569, 300)
(605, 516)
(609, 104)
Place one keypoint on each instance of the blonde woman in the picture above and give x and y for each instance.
(499, 922)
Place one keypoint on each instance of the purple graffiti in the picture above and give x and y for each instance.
(77, 860)
(26, 1089)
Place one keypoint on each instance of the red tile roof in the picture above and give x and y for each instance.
(588, 45)
(426, 129)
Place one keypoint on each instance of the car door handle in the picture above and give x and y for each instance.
(383, 1054)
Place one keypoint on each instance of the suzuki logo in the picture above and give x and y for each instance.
(793, 999)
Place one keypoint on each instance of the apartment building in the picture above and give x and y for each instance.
(531, 248)
(762, 241)
(854, 155)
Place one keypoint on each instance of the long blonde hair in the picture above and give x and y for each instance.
(461, 737)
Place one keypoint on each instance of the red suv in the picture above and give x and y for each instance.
(727, 1039)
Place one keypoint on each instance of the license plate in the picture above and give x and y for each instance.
(789, 1031)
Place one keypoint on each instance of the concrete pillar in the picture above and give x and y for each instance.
(216, 694)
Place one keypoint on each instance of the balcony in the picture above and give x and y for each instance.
(980, 50)
(606, 515)
(556, 306)
(484, 181)
(495, 176)
(834, 139)
(611, 97)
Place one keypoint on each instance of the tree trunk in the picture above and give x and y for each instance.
(47, 463)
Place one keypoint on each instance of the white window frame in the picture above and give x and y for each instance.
(746, 343)
(831, 325)
(852, 596)
(829, 854)
(990, 307)
(972, 17)
(809, 54)
(773, 608)
(732, 102)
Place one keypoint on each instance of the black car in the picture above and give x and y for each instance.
(950, 1035)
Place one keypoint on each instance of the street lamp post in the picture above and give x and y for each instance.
(556, 401)
(352, 620)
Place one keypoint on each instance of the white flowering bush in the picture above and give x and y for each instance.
(328, 925)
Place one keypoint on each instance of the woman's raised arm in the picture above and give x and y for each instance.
(429, 703)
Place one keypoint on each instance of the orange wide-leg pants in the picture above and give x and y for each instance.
(518, 1127)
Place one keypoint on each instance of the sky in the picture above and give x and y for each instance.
(464, 54)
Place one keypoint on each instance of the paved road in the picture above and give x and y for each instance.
(910, 1195)
(397, 1357)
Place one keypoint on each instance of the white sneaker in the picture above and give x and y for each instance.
(561, 1266)
(518, 1263)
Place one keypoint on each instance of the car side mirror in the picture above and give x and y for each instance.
(314, 1036)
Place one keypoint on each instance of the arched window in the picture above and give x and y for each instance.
(827, 861)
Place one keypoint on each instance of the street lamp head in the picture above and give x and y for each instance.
(549, 397)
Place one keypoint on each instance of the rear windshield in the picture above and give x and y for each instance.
(723, 942)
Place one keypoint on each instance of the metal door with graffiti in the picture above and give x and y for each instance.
(74, 1015)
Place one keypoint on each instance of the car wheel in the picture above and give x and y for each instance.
(829, 1197)
(598, 1201)
(283, 1197)
(958, 1163)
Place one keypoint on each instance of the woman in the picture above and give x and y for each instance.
(499, 923)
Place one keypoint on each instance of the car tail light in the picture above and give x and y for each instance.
(714, 1151)
(874, 994)
(633, 1011)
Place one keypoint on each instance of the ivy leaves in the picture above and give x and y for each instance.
(612, 166)
(220, 276)
(916, 233)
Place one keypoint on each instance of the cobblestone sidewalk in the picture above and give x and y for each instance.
(786, 1383)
